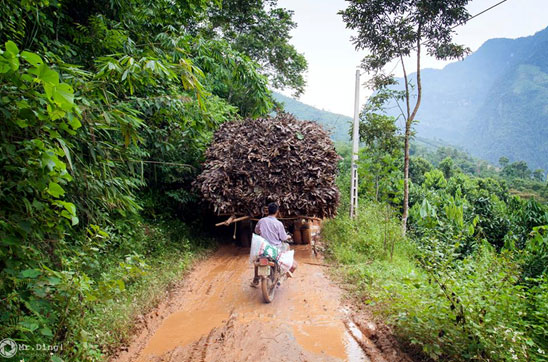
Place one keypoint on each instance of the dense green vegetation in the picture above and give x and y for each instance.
(517, 177)
(106, 110)
(450, 305)
(470, 280)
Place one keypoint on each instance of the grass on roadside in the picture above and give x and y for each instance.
(146, 259)
(114, 319)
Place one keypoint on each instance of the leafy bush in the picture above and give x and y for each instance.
(130, 282)
(39, 120)
(453, 305)
(104, 283)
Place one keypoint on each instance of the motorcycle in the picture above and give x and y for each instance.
(270, 276)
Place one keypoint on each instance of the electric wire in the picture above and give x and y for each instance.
(481, 12)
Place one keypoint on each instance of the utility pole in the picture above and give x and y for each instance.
(355, 149)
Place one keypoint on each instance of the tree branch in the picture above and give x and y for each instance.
(407, 95)
(419, 83)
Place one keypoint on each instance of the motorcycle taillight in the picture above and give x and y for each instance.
(263, 261)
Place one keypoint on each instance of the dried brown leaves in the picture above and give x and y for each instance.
(253, 162)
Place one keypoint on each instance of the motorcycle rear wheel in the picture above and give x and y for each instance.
(269, 289)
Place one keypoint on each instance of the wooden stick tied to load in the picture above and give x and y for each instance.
(232, 219)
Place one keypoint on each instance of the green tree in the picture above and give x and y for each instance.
(390, 31)
(447, 166)
(503, 161)
(261, 30)
(518, 169)
(382, 151)
(418, 166)
(539, 175)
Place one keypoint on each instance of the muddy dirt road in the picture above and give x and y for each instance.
(217, 316)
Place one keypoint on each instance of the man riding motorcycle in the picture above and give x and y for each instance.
(273, 231)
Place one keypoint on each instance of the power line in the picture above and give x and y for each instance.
(395, 66)
(481, 12)
(474, 16)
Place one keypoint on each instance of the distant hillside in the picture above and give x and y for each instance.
(494, 103)
(337, 124)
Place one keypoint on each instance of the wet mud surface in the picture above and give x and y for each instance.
(216, 316)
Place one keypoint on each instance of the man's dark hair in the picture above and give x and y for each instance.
(272, 208)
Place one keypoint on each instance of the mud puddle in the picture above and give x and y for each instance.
(219, 317)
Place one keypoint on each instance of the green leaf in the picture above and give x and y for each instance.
(47, 75)
(299, 136)
(30, 273)
(32, 58)
(29, 324)
(66, 151)
(55, 113)
(422, 210)
(13, 63)
(73, 121)
(470, 230)
(12, 48)
(63, 95)
(121, 284)
(22, 123)
(53, 280)
(48, 88)
(46, 332)
(55, 189)
(70, 207)
(4, 66)
(90, 297)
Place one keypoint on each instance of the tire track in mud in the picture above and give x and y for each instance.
(217, 316)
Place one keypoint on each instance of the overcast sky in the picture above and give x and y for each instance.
(322, 37)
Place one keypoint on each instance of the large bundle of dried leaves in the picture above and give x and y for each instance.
(253, 162)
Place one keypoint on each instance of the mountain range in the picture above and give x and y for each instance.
(494, 103)
(337, 125)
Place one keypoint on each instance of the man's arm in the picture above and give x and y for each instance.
(281, 232)
(258, 228)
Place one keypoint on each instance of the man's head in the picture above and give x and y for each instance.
(272, 208)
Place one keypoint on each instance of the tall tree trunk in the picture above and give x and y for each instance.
(408, 107)
(377, 188)
(408, 125)
(406, 178)
(406, 149)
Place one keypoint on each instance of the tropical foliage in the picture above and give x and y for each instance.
(107, 108)
(469, 281)
(517, 177)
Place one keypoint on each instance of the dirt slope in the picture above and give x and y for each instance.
(216, 316)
